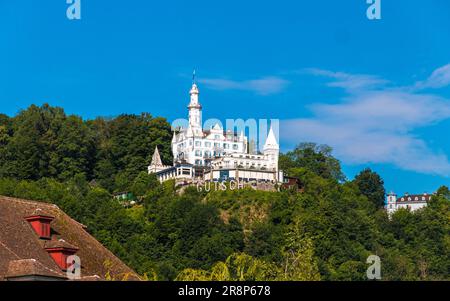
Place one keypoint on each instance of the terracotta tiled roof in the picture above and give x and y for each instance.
(60, 243)
(31, 267)
(91, 278)
(18, 241)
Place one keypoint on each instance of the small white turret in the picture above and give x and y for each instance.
(156, 164)
(391, 198)
(272, 149)
(271, 141)
(391, 203)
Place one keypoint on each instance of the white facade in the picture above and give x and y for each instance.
(215, 149)
(410, 202)
(197, 146)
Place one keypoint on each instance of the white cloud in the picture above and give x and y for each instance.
(350, 82)
(374, 126)
(263, 86)
(439, 78)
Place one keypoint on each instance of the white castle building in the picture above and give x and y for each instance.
(411, 202)
(216, 155)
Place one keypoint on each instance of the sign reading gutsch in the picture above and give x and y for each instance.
(222, 185)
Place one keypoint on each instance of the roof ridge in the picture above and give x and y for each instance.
(25, 201)
(43, 266)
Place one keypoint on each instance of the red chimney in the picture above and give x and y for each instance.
(60, 250)
(40, 223)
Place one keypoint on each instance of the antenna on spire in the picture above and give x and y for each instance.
(193, 77)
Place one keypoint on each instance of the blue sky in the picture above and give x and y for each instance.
(377, 91)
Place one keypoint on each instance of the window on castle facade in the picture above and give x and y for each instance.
(208, 144)
(198, 153)
(235, 146)
(198, 143)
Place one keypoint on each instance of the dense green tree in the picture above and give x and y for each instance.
(262, 239)
(372, 186)
(45, 142)
(5, 130)
(125, 145)
(143, 183)
(444, 192)
(315, 158)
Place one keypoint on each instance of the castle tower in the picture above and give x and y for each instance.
(391, 202)
(195, 111)
(272, 149)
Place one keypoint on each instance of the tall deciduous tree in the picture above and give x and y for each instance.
(316, 158)
(372, 186)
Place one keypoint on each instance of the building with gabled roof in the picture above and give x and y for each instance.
(37, 239)
(408, 201)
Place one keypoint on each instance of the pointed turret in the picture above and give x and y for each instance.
(271, 141)
(272, 150)
(156, 159)
(156, 164)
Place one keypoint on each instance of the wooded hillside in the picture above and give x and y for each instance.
(325, 232)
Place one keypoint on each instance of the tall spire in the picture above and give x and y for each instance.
(195, 111)
(156, 159)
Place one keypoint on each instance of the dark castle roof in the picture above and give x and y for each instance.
(415, 198)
